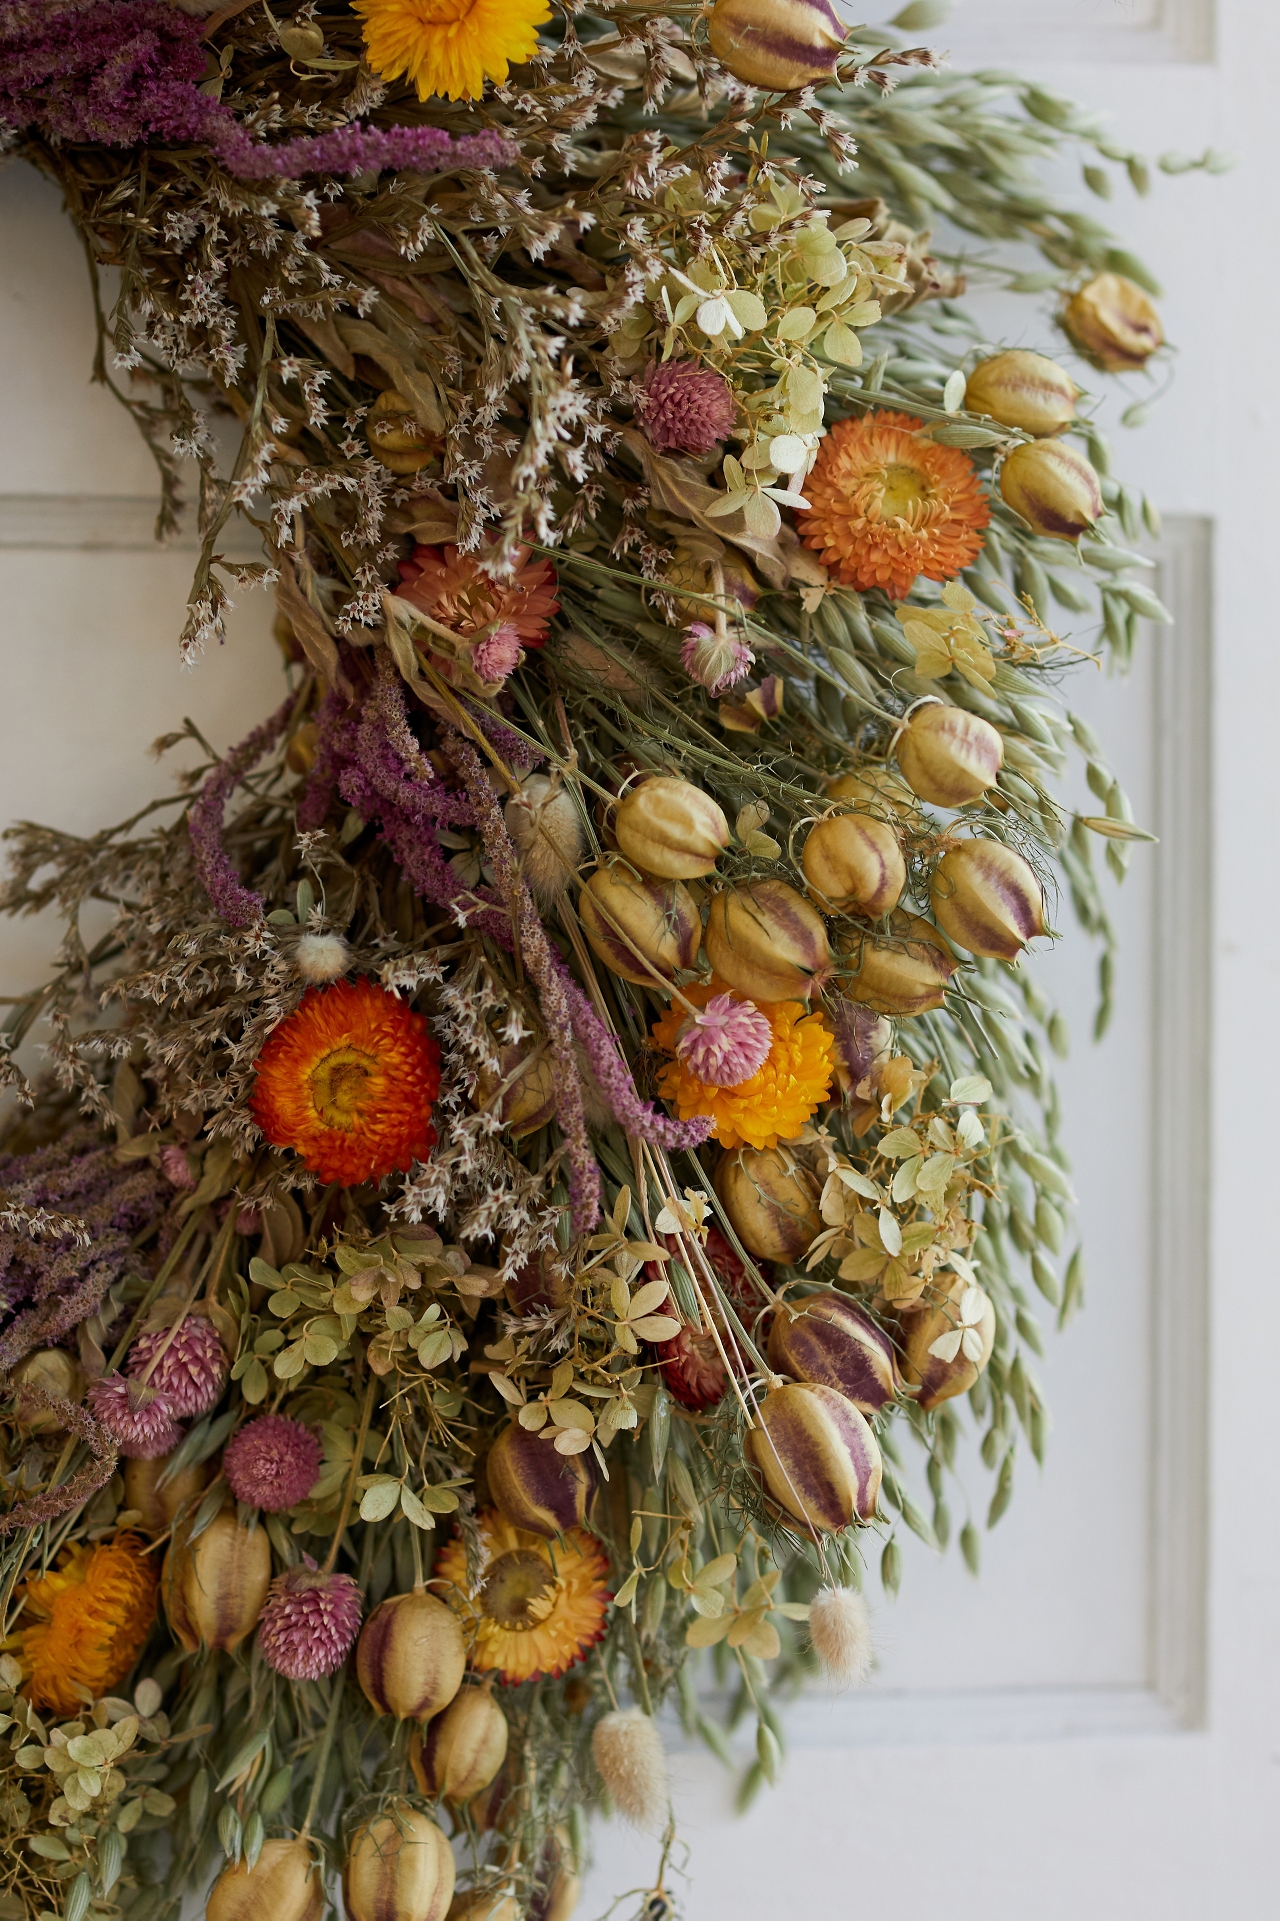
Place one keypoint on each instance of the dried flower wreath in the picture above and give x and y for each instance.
(557, 1107)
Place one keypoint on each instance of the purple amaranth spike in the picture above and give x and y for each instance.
(235, 902)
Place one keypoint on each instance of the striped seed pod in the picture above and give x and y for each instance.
(536, 1488)
(670, 828)
(399, 1867)
(948, 756)
(411, 1656)
(831, 1340)
(282, 1885)
(1054, 489)
(777, 44)
(461, 1750)
(853, 864)
(948, 1345)
(214, 1586)
(629, 919)
(771, 1201)
(818, 1456)
(158, 1500)
(987, 899)
(485, 1905)
(767, 941)
(905, 975)
(1023, 390)
(1114, 322)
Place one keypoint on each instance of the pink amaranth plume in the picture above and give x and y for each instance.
(715, 661)
(684, 408)
(191, 1370)
(140, 1418)
(309, 1621)
(272, 1463)
(498, 654)
(726, 1043)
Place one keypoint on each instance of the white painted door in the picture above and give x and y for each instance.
(1094, 1727)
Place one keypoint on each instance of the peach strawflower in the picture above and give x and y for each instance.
(887, 504)
(535, 1607)
(778, 1099)
(93, 1613)
(347, 1082)
(450, 47)
(454, 589)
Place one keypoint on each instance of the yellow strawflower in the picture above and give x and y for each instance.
(450, 47)
(776, 1102)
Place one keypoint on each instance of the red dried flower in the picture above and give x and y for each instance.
(347, 1082)
(140, 1418)
(684, 408)
(454, 589)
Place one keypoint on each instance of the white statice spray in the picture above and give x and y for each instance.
(629, 1754)
(840, 1630)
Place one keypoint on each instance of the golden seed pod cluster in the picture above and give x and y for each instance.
(461, 1749)
(767, 941)
(411, 1656)
(1112, 320)
(536, 1488)
(399, 1867)
(1053, 488)
(772, 1201)
(1023, 390)
(639, 926)
(670, 828)
(214, 1586)
(986, 898)
(284, 1884)
(817, 1455)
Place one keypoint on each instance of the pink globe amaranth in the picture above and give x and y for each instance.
(717, 662)
(139, 1418)
(498, 654)
(684, 408)
(726, 1043)
(190, 1370)
(309, 1621)
(272, 1463)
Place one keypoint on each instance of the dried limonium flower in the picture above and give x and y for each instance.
(309, 1621)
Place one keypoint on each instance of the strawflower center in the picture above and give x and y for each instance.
(514, 1582)
(340, 1085)
(901, 489)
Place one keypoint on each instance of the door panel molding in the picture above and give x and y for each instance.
(1160, 32)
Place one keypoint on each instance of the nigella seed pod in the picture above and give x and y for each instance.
(905, 974)
(536, 1488)
(863, 1040)
(399, 1867)
(831, 1340)
(283, 1884)
(946, 1346)
(987, 899)
(818, 1456)
(1053, 487)
(771, 1201)
(52, 1371)
(1023, 390)
(1112, 320)
(520, 1089)
(874, 788)
(629, 919)
(481, 1904)
(546, 829)
(460, 1751)
(214, 1586)
(853, 864)
(411, 1656)
(397, 437)
(157, 1500)
(670, 828)
(767, 941)
(776, 44)
(949, 756)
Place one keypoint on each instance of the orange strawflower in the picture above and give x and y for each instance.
(778, 1099)
(93, 1613)
(888, 504)
(454, 589)
(535, 1607)
(347, 1082)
